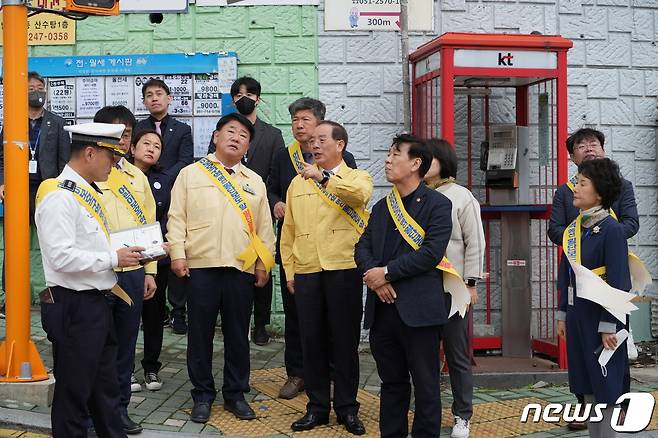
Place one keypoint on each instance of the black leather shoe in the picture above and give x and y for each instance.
(240, 409)
(179, 325)
(200, 412)
(129, 426)
(309, 421)
(352, 424)
(260, 336)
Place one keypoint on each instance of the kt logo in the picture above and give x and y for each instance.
(505, 60)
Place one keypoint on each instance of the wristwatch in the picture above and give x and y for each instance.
(324, 180)
(471, 282)
(386, 276)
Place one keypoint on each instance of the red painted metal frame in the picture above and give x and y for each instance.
(446, 45)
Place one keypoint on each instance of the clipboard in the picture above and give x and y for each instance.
(147, 236)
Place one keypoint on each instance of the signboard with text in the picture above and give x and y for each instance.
(78, 86)
(48, 29)
(377, 15)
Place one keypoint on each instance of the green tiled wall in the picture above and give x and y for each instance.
(276, 45)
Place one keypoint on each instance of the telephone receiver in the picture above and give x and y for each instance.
(484, 155)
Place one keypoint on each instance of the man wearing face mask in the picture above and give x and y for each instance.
(49, 145)
(245, 93)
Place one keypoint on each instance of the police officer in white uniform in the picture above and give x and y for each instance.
(78, 264)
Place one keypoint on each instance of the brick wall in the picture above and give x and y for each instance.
(613, 84)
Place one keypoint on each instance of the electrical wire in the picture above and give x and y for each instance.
(70, 15)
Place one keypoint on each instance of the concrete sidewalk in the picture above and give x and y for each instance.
(165, 413)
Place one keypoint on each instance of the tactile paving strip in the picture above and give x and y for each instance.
(498, 419)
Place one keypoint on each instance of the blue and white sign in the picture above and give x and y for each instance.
(128, 65)
(200, 83)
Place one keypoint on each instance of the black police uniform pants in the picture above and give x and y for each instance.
(292, 356)
(263, 304)
(153, 313)
(126, 322)
(80, 327)
(177, 297)
(229, 292)
(329, 306)
(401, 351)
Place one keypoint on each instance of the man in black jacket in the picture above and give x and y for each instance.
(49, 144)
(267, 140)
(305, 114)
(405, 306)
(177, 152)
(586, 144)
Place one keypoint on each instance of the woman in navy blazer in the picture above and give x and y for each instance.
(586, 324)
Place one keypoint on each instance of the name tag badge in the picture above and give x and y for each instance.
(32, 166)
(248, 189)
(570, 295)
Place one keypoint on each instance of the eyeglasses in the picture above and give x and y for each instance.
(584, 146)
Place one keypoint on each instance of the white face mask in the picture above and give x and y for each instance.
(606, 354)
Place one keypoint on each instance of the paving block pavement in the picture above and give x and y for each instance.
(166, 412)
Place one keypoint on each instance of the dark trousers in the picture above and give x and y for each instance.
(400, 351)
(177, 297)
(457, 352)
(229, 292)
(153, 313)
(293, 357)
(330, 305)
(126, 322)
(80, 327)
(263, 304)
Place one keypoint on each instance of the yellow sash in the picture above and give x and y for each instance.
(414, 235)
(90, 201)
(122, 189)
(238, 200)
(358, 218)
(591, 284)
(87, 198)
(640, 276)
(295, 152)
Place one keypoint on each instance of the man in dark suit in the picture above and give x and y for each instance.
(405, 306)
(49, 144)
(305, 114)
(587, 144)
(267, 140)
(177, 152)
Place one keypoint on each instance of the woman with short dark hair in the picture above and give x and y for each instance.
(145, 152)
(595, 241)
(466, 252)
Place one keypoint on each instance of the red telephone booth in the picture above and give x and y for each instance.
(503, 98)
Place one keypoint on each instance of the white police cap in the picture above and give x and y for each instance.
(105, 135)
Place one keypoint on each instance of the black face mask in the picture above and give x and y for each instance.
(245, 105)
(36, 99)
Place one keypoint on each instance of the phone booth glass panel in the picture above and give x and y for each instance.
(501, 100)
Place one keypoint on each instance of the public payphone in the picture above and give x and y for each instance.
(505, 162)
(501, 100)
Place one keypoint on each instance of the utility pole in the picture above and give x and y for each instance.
(406, 82)
(19, 358)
